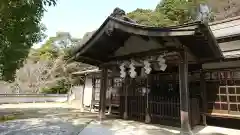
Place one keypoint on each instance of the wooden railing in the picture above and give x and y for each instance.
(162, 110)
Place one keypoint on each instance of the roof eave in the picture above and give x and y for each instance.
(114, 23)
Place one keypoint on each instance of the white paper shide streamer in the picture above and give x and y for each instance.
(147, 67)
(122, 70)
(132, 71)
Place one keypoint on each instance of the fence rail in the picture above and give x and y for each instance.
(31, 98)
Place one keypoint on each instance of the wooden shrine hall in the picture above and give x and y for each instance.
(158, 68)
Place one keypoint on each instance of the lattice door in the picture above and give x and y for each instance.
(224, 95)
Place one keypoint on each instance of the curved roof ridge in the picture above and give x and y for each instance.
(119, 21)
(155, 27)
(136, 25)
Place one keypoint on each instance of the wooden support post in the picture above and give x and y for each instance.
(82, 95)
(147, 116)
(103, 90)
(110, 100)
(184, 95)
(125, 114)
(93, 94)
(204, 97)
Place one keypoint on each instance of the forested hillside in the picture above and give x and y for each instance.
(175, 12)
(225, 8)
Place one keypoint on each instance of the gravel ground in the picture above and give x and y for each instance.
(44, 119)
(60, 119)
(41, 126)
(121, 127)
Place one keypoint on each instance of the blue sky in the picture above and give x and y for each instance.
(80, 16)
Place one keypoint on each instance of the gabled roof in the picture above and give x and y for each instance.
(226, 29)
(227, 33)
(114, 32)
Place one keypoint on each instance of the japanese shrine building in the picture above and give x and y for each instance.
(174, 75)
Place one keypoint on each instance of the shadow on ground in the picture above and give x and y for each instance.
(25, 113)
(41, 126)
(46, 121)
(67, 121)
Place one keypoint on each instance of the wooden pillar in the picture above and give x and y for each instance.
(125, 114)
(147, 116)
(93, 94)
(110, 96)
(82, 94)
(184, 95)
(103, 91)
(203, 97)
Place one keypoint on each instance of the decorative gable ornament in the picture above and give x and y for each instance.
(203, 13)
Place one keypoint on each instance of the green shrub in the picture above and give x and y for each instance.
(62, 87)
(7, 117)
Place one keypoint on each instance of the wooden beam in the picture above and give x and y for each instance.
(176, 41)
(228, 38)
(103, 90)
(212, 42)
(153, 52)
(184, 95)
(221, 65)
(87, 60)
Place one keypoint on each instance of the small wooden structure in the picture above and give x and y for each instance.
(91, 96)
(221, 88)
(164, 95)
